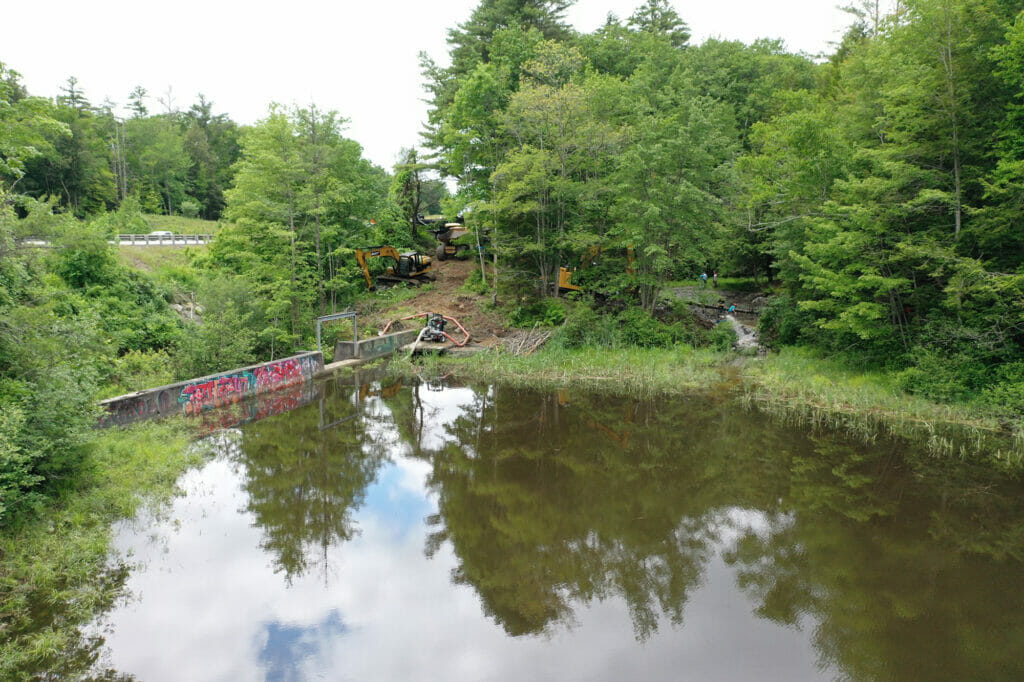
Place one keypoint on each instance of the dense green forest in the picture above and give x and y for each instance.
(877, 191)
(880, 189)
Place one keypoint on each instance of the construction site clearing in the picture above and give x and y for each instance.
(484, 326)
(444, 296)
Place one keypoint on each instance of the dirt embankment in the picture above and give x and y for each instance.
(488, 328)
(485, 326)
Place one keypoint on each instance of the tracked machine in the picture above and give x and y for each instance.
(410, 267)
(446, 233)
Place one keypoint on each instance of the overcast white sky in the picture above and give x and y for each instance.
(358, 57)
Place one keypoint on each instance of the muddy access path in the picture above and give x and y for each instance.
(447, 295)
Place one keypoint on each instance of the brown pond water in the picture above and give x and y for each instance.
(437, 532)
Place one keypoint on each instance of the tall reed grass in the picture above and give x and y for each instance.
(635, 371)
(801, 386)
(795, 386)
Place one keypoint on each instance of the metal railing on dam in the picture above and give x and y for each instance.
(134, 240)
(162, 239)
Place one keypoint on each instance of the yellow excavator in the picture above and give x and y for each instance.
(565, 282)
(411, 267)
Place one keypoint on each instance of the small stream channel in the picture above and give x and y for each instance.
(396, 530)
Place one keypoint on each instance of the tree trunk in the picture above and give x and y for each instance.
(494, 274)
(319, 264)
(291, 294)
(946, 56)
(480, 254)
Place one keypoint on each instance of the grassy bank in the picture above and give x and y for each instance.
(635, 371)
(794, 385)
(54, 568)
(797, 384)
(158, 260)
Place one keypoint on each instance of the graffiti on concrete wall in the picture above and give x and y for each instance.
(156, 403)
(227, 389)
(196, 396)
(259, 407)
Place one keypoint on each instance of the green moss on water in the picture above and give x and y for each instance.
(55, 571)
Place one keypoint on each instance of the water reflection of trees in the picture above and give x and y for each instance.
(547, 506)
(904, 567)
(555, 500)
(306, 473)
(911, 568)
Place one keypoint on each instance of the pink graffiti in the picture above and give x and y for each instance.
(282, 373)
(209, 393)
(233, 384)
(258, 408)
(198, 397)
(214, 393)
(228, 389)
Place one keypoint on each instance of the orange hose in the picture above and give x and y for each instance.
(458, 324)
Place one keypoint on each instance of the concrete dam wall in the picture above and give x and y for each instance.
(205, 393)
(374, 347)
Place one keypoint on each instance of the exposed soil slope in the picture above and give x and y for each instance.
(446, 296)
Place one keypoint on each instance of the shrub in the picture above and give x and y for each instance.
(475, 283)
(190, 208)
(685, 323)
(16, 475)
(782, 322)
(722, 337)
(943, 376)
(85, 258)
(48, 380)
(636, 327)
(1008, 390)
(546, 312)
(223, 341)
(127, 219)
(138, 370)
(583, 326)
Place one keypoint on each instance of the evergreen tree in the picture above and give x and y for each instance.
(659, 18)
